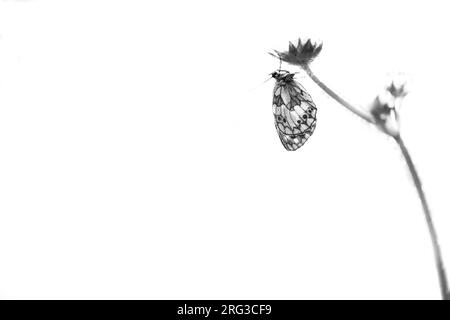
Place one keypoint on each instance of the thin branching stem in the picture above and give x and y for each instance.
(413, 171)
(336, 97)
(426, 210)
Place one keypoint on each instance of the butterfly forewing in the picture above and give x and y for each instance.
(294, 112)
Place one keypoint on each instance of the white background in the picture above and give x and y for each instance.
(138, 155)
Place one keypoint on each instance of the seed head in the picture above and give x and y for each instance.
(299, 55)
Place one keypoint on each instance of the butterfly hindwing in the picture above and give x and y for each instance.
(294, 112)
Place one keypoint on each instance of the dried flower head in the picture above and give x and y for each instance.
(300, 55)
(380, 109)
(397, 91)
(385, 116)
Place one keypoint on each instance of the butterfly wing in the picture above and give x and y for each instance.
(295, 114)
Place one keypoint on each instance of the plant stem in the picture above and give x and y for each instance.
(415, 176)
(426, 210)
(336, 97)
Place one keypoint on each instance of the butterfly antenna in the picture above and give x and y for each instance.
(260, 84)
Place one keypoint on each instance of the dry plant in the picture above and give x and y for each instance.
(384, 116)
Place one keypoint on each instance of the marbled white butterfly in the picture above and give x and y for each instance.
(294, 111)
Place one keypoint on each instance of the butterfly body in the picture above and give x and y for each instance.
(293, 109)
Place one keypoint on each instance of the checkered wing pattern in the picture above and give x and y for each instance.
(294, 112)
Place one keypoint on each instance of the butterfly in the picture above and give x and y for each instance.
(293, 109)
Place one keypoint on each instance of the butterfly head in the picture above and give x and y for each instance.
(283, 76)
